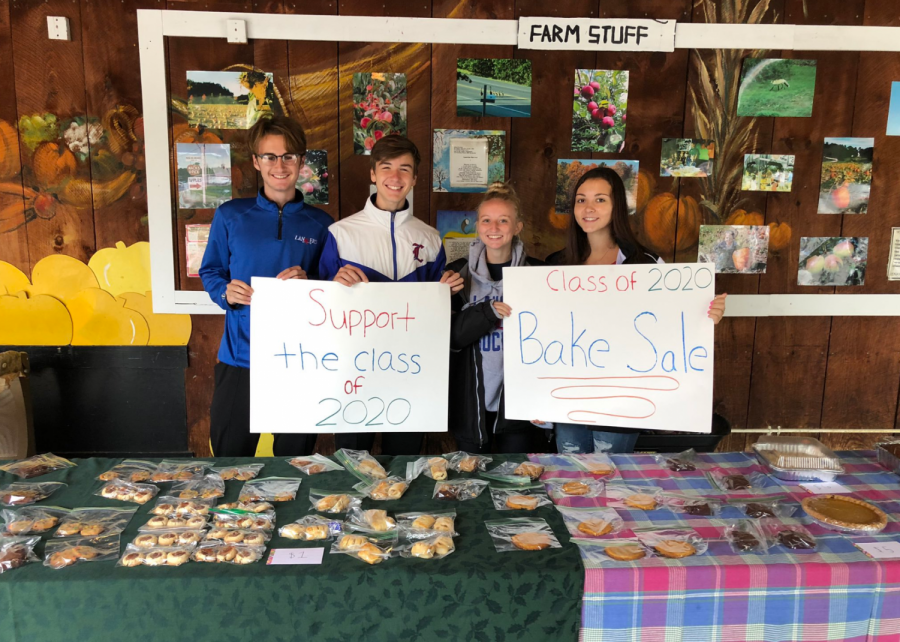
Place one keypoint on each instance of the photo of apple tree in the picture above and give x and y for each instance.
(598, 110)
(379, 108)
(833, 260)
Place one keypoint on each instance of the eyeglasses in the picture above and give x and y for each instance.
(271, 159)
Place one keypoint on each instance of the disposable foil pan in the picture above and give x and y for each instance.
(798, 458)
(886, 458)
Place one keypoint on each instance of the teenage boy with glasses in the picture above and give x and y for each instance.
(274, 235)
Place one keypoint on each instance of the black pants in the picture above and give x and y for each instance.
(392, 443)
(533, 440)
(229, 419)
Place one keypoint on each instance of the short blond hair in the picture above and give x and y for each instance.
(500, 191)
(287, 128)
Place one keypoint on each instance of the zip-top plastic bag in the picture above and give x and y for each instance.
(733, 482)
(565, 488)
(228, 553)
(433, 547)
(459, 489)
(25, 493)
(17, 551)
(746, 536)
(520, 498)
(633, 497)
(170, 537)
(591, 521)
(157, 556)
(126, 491)
(170, 470)
(91, 522)
(361, 464)
(433, 467)
(312, 527)
(794, 536)
(242, 472)
(369, 521)
(233, 518)
(69, 551)
(245, 536)
(510, 472)
(37, 465)
(690, 504)
(371, 548)
(776, 506)
(597, 464)
(333, 502)
(521, 534)
(206, 487)
(427, 524)
(611, 551)
(383, 490)
(133, 470)
(253, 507)
(164, 522)
(167, 505)
(672, 543)
(31, 519)
(683, 462)
(270, 489)
(463, 462)
(314, 464)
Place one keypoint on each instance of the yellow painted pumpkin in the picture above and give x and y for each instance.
(663, 213)
(742, 217)
(646, 187)
(12, 279)
(9, 151)
(165, 329)
(98, 319)
(182, 133)
(37, 321)
(61, 276)
(122, 269)
(779, 236)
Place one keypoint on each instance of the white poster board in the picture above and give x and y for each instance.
(329, 358)
(614, 345)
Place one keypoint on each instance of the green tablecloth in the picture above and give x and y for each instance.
(473, 594)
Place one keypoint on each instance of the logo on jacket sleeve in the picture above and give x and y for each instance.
(308, 240)
(417, 247)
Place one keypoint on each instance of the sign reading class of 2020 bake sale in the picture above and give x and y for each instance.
(629, 346)
(330, 358)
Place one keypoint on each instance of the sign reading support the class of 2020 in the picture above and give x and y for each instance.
(593, 34)
(614, 345)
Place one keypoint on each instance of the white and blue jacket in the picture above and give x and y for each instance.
(386, 246)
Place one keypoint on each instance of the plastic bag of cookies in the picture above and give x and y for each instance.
(459, 489)
(793, 535)
(168, 505)
(169, 537)
(683, 462)
(37, 465)
(463, 462)
(591, 521)
(157, 556)
(312, 527)
(24, 493)
(520, 498)
(238, 536)
(435, 468)
(427, 524)
(90, 522)
(565, 488)
(383, 490)
(361, 464)
(223, 553)
(31, 519)
(693, 505)
(633, 497)
(314, 464)
(333, 501)
(732, 481)
(133, 470)
(673, 543)
(170, 470)
(167, 522)
(253, 507)
(775, 506)
(270, 489)
(232, 518)
(598, 464)
(746, 536)
(17, 551)
(610, 551)
(521, 534)
(69, 551)
(374, 520)
(371, 549)
(433, 547)
(511, 472)
(205, 487)
(126, 491)
(243, 472)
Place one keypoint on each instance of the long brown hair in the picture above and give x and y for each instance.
(578, 248)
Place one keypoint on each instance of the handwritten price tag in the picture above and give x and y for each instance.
(295, 556)
(824, 488)
(879, 550)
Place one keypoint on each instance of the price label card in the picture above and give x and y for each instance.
(295, 556)
(824, 488)
(879, 550)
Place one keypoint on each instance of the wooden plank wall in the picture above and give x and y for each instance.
(813, 373)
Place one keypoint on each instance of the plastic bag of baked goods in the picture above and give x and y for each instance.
(633, 497)
(383, 490)
(562, 488)
(126, 491)
(243, 472)
(238, 536)
(775, 507)
(312, 527)
(31, 519)
(597, 464)
(792, 536)
(511, 472)
(157, 556)
(427, 524)
(683, 462)
(730, 481)
(361, 464)
(234, 518)
(37, 465)
(434, 467)
(333, 501)
(17, 551)
(673, 543)
(69, 551)
(24, 493)
(610, 551)
(519, 498)
(591, 521)
(252, 507)
(167, 505)
(521, 534)
(90, 522)
(164, 522)
(433, 547)
(314, 464)
(746, 536)
(170, 470)
(270, 489)
(206, 487)
(371, 548)
(459, 489)
(690, 504)
(133, 470)
(463, 462)
(169, 537)
(228, 553)
(374, 520)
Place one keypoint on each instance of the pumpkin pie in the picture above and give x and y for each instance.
(845, 512)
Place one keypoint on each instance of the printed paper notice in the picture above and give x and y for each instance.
(879, 550)
(824, 488)
(295, 556)
(894, 260)
(468, 162)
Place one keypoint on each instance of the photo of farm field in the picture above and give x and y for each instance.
(777, 87)
(228, 99)
(846, 175)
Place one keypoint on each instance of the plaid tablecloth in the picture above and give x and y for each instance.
(833, 593)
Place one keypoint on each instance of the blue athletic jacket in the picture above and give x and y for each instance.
(387, 246)
(252, 237)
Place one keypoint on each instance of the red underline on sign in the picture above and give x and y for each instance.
(608, 385)
(611, 414)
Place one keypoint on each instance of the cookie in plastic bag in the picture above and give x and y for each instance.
(459, 489)
(60, 553)
(31, 519)
(528, 498)
(17, 551)
(37, 465)
(314, 464)
(126, 491)
(270, 489)
(91, 522)
(312, 527)
(25, 493)
(521, 534)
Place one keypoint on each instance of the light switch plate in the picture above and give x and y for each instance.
(237, 31)
(58, 28)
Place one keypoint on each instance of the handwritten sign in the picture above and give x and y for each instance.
(880, 550)
(295, 556)
(596, 35)
(628, 345)
(329, 358)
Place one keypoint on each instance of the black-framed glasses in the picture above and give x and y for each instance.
(287, 159)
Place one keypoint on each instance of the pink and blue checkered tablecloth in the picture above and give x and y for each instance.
(833, 593)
